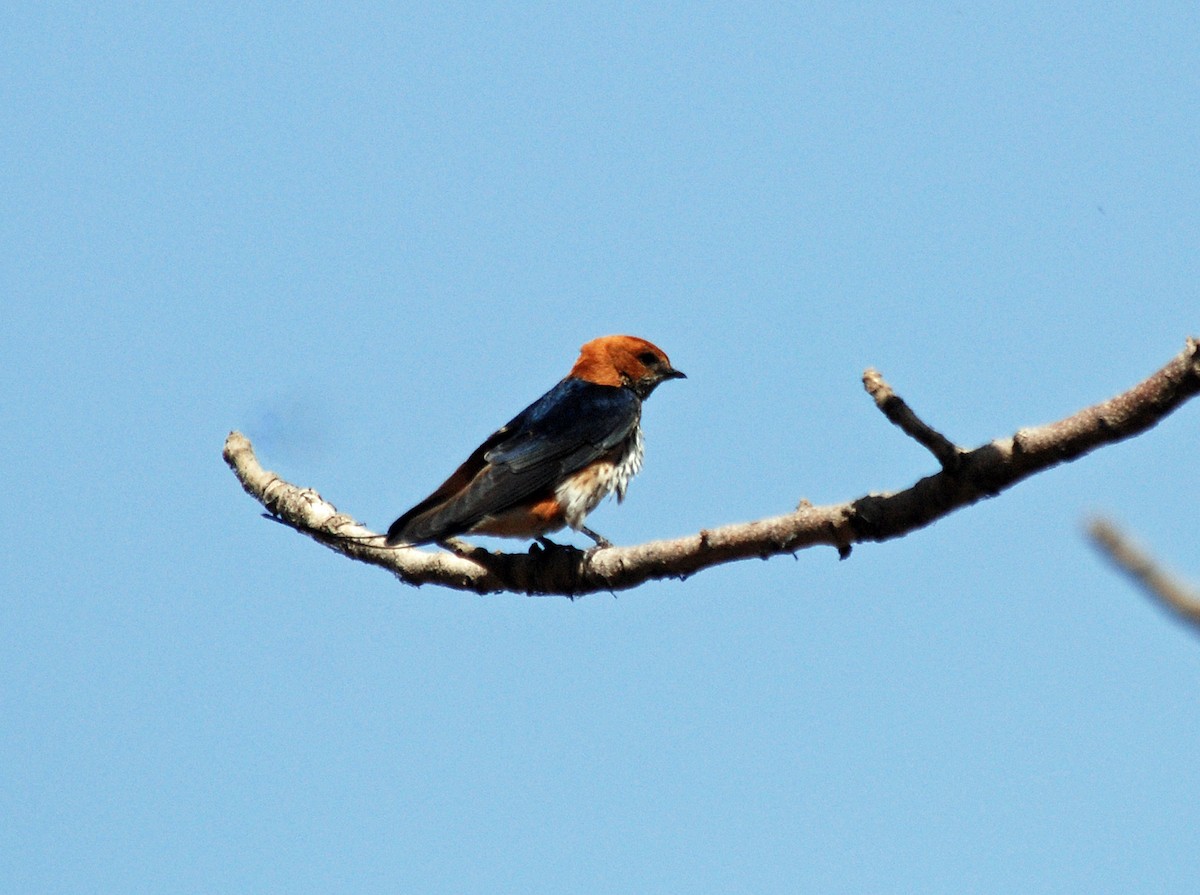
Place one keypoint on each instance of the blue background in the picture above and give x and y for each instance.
(368, 234)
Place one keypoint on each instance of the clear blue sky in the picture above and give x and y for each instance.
(367, 234)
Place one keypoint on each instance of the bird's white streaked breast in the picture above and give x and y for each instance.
(583, 491)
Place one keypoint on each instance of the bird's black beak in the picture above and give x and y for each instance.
(672, 373)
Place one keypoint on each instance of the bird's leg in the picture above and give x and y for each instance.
(601, 540)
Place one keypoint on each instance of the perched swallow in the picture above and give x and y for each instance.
(555, 460)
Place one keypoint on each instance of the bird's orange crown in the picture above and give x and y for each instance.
(624, 361)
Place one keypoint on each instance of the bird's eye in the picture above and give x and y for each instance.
(649, 358)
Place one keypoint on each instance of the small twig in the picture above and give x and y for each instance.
(900, 414)
(1160, 584)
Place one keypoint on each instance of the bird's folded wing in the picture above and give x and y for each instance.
(569, 427)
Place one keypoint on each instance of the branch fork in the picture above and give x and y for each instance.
(901, 415)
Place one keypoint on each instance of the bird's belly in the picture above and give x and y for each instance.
(582, 491)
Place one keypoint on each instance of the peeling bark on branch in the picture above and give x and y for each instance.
(967, 476)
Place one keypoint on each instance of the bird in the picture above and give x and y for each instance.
(552, 463)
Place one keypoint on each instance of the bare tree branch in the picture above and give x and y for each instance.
(967, 476)
(1164, 587)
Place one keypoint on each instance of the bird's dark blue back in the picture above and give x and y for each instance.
(571, 415)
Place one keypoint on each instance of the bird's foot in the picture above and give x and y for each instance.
(545, 545)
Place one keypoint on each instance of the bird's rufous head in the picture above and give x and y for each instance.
(624, 361)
